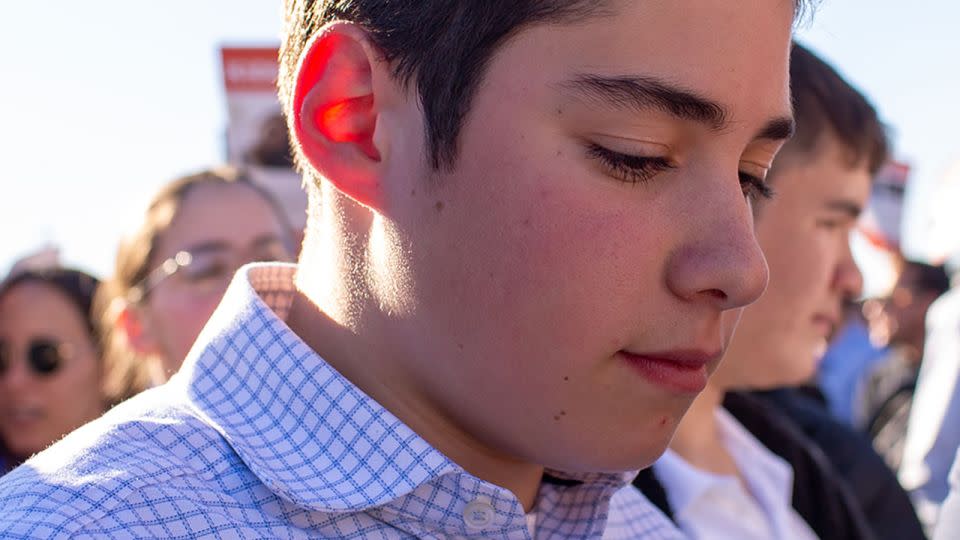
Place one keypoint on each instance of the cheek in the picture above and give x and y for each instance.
(73, 397)
(801, 257)
(178, 319)
(566, 268)
(757, 348)
(799, 284)
(776, 345)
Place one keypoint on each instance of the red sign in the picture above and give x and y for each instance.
(250, 69)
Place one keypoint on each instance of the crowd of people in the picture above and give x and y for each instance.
(534, 231)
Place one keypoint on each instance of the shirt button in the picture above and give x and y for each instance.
(478, 514)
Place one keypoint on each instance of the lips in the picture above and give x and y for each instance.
(826, 324)
(679, 371)
(23, 416)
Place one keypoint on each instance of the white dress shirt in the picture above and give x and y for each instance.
(258, 437)
(948, 527)
(719, 507)
(933, 431)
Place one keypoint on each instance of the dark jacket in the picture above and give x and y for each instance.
(824, 502)
(874, 486)
(886, 402)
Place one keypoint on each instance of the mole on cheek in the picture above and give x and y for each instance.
(439, 206)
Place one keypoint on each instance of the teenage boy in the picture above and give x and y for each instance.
(530, 236)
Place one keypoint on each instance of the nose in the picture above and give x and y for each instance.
(847, 278)
(720, 262)
(15, 378)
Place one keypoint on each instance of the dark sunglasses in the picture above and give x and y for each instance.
(44, 356)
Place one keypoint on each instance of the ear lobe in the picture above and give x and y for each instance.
(335, 111)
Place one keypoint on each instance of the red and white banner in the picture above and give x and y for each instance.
(881, 222)
(256, 132)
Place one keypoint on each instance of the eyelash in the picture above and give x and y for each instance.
(626, 167)
(637, 169)
(755, 188)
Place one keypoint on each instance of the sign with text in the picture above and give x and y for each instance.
(256, 133)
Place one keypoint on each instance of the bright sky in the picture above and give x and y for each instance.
(103, 101)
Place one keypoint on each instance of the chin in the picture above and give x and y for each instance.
(613, 463)
(632, 455)
(797, 377)
(23, 451)
(639, 461)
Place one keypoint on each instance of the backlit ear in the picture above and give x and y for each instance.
(129, 322)
(335, 110)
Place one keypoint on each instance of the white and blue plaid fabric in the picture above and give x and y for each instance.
(258, 437)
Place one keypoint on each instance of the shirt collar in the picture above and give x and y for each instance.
(769, 470)
(683, 482)
(686, 484)
(287, 413)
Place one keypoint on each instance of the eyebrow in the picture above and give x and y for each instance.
(849, 208)
(214, 246)
(778, 129)
(644, 93)
(210, 246)
(265, 239)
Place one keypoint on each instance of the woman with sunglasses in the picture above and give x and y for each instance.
(172, 272)
(51, 374)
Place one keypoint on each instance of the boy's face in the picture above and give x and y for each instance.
(562, 301)
(905, 311)
(805, 234)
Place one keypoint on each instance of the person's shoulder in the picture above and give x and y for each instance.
(98, 474)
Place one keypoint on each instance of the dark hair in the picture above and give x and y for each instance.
(824, 102)
(273, 146)
(928, 278)
(81, 290)
(79, 287)
(441, 45)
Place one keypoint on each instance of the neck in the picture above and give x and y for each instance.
(698, 439)
(347, 328)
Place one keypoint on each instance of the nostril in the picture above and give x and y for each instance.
(716, 294)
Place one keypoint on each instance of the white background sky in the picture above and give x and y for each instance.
(102, 101)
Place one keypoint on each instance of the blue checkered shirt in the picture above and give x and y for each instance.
(258, 437)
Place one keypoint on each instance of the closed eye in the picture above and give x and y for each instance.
(836, 222)
(755, 188)
(626, 167)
